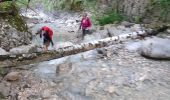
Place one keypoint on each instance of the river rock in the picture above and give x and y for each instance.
(64, 68)
(3, 52)
(156, 48)
(24, 49)
(12, 76)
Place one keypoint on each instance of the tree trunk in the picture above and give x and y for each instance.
(24, 59)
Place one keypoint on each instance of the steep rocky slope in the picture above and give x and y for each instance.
(13, 30)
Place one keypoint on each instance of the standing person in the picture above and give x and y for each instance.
(46, 33)
(85, 25)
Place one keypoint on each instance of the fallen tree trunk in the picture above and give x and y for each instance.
(24, 59)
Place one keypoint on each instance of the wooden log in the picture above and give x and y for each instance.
(24, 59)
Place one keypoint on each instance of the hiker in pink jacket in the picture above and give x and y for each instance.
(85, 24)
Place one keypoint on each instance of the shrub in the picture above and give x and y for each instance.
(110, 18)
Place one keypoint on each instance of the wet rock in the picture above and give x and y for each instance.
(24, 49)
(64, 68)
(102, 52)
(3, 52)
(12, 76)
(157, 48)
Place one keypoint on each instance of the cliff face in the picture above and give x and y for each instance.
(130, 8)
(13, 30)
(140, 9)
(134, 8)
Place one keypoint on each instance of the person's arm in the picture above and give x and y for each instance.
(80, 24)
(52, 43)
(40, 35)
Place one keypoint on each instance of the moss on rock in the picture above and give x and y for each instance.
(5, 6)
(9, 13)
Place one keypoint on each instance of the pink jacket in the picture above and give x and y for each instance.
(85, 22)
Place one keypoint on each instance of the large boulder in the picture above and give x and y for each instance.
(157, 48)
(24, 49)
(3, 52)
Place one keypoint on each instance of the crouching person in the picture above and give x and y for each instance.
(46, 34)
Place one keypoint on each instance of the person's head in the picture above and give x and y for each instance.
(39, 31)
(84, 15)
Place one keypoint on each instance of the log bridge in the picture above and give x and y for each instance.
(36, 57)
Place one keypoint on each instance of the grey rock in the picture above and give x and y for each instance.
(127, 24)
(133, 46)
(156, 48)
(3, 52)
(64, 68)
(11, 37)
(24, 49)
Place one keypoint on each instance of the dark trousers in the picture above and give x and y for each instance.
(84, 32)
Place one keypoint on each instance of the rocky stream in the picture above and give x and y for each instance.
(123, 71)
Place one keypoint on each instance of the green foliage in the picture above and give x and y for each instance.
(137, 19)
(164, 6)
(94, 20)
(11, 15)
(22, 3)
(5, 6)
(110, 18)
